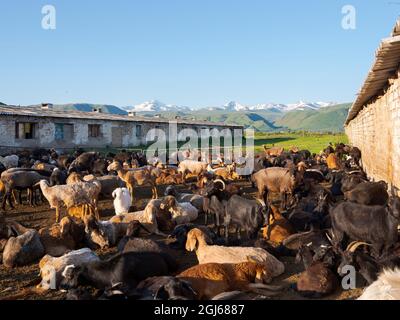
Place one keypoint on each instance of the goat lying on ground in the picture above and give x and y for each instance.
(197, 241)
(181, 212)
(128, 268)
(53, 269)
(211, 279)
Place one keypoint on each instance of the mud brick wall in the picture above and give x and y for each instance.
(376, 131)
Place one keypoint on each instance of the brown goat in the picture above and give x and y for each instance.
(135, 177)
(211, 279)
(275, 180)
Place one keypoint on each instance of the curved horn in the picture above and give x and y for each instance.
(352, 247)
(223, 183)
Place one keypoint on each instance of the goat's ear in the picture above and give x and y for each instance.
(114, 194)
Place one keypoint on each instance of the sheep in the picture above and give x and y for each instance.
(9, 161)
(196, 200)
(181, 212)
(122, 200)
(63, 237)
(134, 177)
(386, 287)
(131, 242)
(52, 270)
(211, 279)
(71, 195)
(147, 217)
(23, 249)
(191, 166)
(197, 241)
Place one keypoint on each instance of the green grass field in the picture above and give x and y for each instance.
(310, 141)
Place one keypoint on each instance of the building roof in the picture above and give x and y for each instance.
(386, 64)
(49, 113)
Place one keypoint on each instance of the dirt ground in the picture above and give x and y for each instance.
(17, 283)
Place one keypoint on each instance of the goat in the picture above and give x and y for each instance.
(134, 177)
(52, 270)
(197, 241)
(373, 224)
(128, 268)
(276, 180)
(317, 280)
(368, 193)
(211, 279)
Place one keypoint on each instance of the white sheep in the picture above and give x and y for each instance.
(386, 287)
(52, 269)
(191, 166)
(122, 200)
(181, 213)
(197, 241)
(9, 161)
(147, 217)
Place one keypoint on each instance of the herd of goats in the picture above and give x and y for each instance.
(320, 208)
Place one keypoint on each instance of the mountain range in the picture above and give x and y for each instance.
(269, 117)
(157, 106)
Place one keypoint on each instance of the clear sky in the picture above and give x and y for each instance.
(188, 52)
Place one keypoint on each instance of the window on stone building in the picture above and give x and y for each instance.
(63, 131)
(138, 130)
(94, 130)
(25, 130)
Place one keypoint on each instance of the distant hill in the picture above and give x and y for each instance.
(324, 119)
(88, 107)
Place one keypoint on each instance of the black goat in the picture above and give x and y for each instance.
(376, 225)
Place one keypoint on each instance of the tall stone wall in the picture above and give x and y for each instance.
(376, 131)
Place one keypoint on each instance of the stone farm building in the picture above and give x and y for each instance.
(373, 122)
(43, 127)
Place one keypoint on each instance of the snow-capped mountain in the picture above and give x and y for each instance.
(302, 106)
(156, 106)
(235, 106)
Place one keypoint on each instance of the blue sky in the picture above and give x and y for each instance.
(188, 52)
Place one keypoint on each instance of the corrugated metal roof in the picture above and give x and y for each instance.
(387, 63)
(49, 113)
